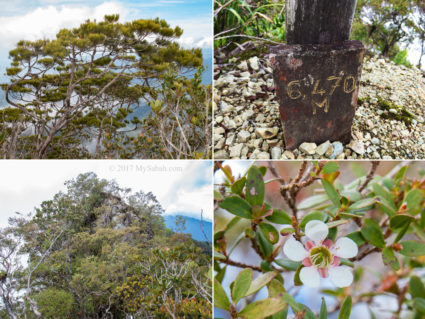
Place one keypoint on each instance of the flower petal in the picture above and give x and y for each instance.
(310, 277)
(345, 248)
(316, 230)
(294, 250)
(341, 276)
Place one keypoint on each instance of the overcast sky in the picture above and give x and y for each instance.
(180, 186)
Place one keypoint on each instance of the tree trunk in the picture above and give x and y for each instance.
(319, 21)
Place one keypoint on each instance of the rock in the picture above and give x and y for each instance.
(266, 132)
(253, 62)
(322, 148)
(329, 151)
(219, 119)
(230, 139)
(225, 107)
(308, 148)
(243, 137)
(289, 155)
(221, 154)
(243, 66)
(375, 140)
(276, 153)
(263, 156)
(338, 148)
(220, 144)
(340, 156)
(357, 146)
(235, 151)
(219, 130)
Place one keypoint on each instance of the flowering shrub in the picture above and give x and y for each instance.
(280, 236)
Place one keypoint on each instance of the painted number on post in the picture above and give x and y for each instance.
(321, 97)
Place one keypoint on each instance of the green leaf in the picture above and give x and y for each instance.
(362, 204)
(332, 193)
(254, 187)
(265, 246)
(330, 167)
(298, 307)
(419, 304)
(260, 282)
(323, 310)
(297, 280)
(416, 287)
(241, 284)
(217, 195)
(345, 311)
(372, 232)
(220, 298)
(400, 175)
(337, 223)
(269, 232)
(399, 221)
(390, 259)
(217, 255)
(238, 186)
(279, 217)
(236, 206)
(413, 200)
(312, 201)
(384, 195)
(357, 237)
(314, 215)
(275, 288)
(262, 308)
(263, 170)
(412, 248)
(287, 263)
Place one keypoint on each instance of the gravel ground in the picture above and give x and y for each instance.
(388, 124)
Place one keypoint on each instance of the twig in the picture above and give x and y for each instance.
(369, 175)
(239, 264)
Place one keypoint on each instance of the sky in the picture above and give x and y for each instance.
(38, 19)
(180, 186)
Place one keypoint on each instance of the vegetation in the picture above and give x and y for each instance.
(384, 26)
(75, 96)
(323, 221)
(100, 251)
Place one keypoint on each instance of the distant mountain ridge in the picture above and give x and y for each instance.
(193, 226)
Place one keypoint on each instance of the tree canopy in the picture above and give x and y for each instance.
(100, 251)
(73, 96)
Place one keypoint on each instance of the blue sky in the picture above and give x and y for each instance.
(180, 186)
(35, 19)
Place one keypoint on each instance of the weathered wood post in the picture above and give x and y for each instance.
(317, 72)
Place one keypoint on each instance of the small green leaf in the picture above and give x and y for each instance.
(275, 288)
(330, 167)
(265, 246)
(269, 232)
(312, 201)
(337, 223)
(260, 282)
(400, 175)
(323, 310)
(416, 287)
(254, 187)
(345, 311)
(314, 215)
(238, 186)
(262, 308)
(357, 237)
(390, 259)
(263, 170)
(412, 248)
(372, 232)
(363, 204)
(220, 298)
(419, 304)
(236, 206)
(241, 284)
(413, 200)
(399, 221)
(332, 193)
(288, 264)
(297, 280)
(217, 255)
(217, 195)
(279, 217)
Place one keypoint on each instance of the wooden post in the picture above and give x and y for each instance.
(319, 21)
(317, 74)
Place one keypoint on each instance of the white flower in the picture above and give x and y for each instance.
(320, 256)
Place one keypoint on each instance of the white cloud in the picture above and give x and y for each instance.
(25, 184)
(45, 22)
(197, 32)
